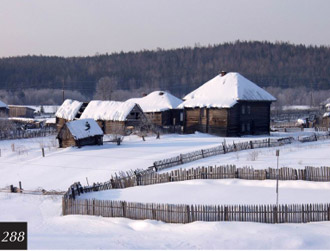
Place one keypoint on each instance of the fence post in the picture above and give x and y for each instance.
(275, 214)
(123, 204)
(188, 214)
(43, 152)
(202, 153)
(226, 214)
(73, 195)
(251, 144)
(20, 186)
(93, 212)
(268, 142)
(224, 148)
(181, 159)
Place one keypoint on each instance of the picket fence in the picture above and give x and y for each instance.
(210, 172)
(21, 134)
(170, 213)
(227, 148)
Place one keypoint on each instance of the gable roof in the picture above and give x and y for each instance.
(108, 110)
(225, 91)
(84, 128)
(69, 109)
(3, 105)
(157, 101)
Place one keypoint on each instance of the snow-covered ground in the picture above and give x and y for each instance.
(47, 229)
(221, 192)
(62, 167)
(21, 160)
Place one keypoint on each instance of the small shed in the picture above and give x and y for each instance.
(4, 109)
(20, 111)
(68, 111)
(80, 133)
(116, 117)
(160, 108)
(228, 105)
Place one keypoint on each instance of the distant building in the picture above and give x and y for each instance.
(326, 115)
(20, 111)
(116, 117)
(228, 105)
(4, 109)
(80, 133)
(161, 108)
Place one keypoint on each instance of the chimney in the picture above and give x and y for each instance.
(144, 94)
(222, 73)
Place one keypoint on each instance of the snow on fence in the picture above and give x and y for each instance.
(170, 213)
(21, 134)
(210, 172)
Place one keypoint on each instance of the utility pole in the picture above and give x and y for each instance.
(62, 91)
(277, 176)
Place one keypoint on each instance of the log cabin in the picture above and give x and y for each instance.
(160, 108)
(80, 133)
(116, 117)
(228, 105)
(19, 111)
(68, 111)
(4, 109)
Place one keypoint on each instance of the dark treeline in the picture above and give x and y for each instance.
(278, 65)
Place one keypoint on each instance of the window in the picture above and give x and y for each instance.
(203, 112)
(243, 109)
(181, 116)
(248, 109)
(243, 128)
(248, 127)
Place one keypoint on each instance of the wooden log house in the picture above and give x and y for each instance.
(116, 117)
(68, 111)
(161, 108)
(18, 111)
(228, 105)
(326, 116)
(80, 133)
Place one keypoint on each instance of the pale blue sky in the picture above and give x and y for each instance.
(81, 27)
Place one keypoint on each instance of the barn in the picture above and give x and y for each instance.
(228, 105)
(4, 109)
(115, 117)
(80, 133)
(160, 108)
(68, 111)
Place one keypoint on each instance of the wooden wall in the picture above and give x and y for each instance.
(253, 118)
(60, 123)
(21, 111)
(326, 122)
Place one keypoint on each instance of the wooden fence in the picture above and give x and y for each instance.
(21, 134)
(227, 148)
(210, 172)
(189, 213)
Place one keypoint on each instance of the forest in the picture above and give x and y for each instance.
(277, 67)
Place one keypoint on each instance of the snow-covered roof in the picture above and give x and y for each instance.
(69, 109)
(84, 128)
(157, 101)
(47, 108)
(327, 105)
(3, 105)
(327, 114)
(225, 91)
(107, 110)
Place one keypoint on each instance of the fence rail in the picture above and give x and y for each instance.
(170, 213)
(21, 134)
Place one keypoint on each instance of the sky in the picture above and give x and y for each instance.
(89, 27)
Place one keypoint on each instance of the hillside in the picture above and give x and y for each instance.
(179, 70)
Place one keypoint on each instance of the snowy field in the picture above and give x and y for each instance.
(21, 160)
(221, 192)
(48, 230)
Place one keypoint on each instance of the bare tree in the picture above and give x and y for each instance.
(105, 88)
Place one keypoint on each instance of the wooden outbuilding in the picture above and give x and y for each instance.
(115, 117)
(68, 111)
(228, 105)
(4, 109)
(160, 108)
(80, 133)
(326, 116)
(18, 111)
